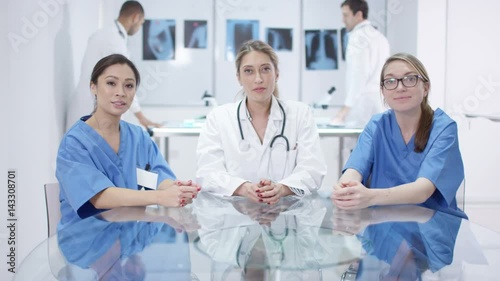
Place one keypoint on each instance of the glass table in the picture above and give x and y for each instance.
(220, 238)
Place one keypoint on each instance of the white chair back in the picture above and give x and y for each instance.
(461, 196)
(53, 206)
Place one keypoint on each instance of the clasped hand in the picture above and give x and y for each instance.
(351, 195)
(177, 193)
(265, 191)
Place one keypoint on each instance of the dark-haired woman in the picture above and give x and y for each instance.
(104, 162)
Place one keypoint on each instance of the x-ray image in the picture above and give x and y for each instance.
(238, 32)
(321, 49)
(195, 34)
(279, 38)
(344, 38)
(158, 40)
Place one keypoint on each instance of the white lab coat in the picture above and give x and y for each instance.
(223, 166)
(104, 42)
(367, 51)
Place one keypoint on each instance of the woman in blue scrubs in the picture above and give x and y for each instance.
(408, 154)
(104, 162)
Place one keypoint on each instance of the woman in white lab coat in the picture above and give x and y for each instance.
(260, 147)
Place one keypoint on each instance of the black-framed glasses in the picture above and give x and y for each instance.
(408, 81)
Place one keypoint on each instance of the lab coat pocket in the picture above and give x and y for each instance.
(291, 161)
(277, 162)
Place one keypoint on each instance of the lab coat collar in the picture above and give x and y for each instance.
(121, 30)
(273, 125)
(243, 109)
(275, 113)
(361, 25)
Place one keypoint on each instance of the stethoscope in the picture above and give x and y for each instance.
(244, 249)
(245, 145)
(119, 29)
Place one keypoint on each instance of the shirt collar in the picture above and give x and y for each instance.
(361, 25)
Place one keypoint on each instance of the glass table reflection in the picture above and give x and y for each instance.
(298, 239)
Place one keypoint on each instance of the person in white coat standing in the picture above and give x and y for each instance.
(367, 50)
(261, 147)
(104, 42)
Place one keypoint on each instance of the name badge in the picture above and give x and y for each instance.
(146, 178)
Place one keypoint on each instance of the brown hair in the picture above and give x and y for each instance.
(356, 6)
(258, 46)
(425, 122)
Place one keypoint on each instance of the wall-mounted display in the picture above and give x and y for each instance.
(321, 49)
(158, 40)
(280, 38)
(195, 34)
(239, 31)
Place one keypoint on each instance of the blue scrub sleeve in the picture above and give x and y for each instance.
(443, 164)
(362, 157)
(78, 176)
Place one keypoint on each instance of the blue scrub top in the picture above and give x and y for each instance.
(384, 160)
(112, 249)
(430, 243)
(86, 165)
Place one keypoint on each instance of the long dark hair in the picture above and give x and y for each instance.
(425, 122)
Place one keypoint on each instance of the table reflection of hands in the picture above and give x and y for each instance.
(264, 214)
(350, 222)
(182, 219)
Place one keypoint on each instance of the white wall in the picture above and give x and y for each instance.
(431, 46)
(402, 20)
(6, 126)
(473, 85)
(33, 110)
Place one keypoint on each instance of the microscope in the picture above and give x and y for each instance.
(209, 99)
(325, 101)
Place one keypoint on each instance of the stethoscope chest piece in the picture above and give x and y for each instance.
(244, 146)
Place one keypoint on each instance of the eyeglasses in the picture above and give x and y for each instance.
(408, 81)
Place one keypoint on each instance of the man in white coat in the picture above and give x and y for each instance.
(104, 42)
(367, 50)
